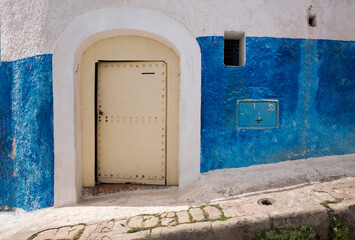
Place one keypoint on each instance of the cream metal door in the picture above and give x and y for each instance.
(131, 122)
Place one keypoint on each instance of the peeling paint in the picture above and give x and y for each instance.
(26, 133)
(13, 151)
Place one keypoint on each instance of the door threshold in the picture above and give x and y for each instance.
(108, 188)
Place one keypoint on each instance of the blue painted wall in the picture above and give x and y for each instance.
(314, 81)
(26, 133)
(7, 181)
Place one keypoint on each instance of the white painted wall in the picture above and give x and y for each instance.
(31, 27)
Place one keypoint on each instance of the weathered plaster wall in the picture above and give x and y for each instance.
(23, 28)
(26, 131)
(7, 170)
(313, 80)
(32, 27)
(314, 83)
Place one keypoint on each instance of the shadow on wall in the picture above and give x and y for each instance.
(314, 83)
(26, 133)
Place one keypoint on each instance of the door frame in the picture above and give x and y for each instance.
(85, 30)
(127, 47)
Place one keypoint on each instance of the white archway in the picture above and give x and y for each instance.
(76, 38)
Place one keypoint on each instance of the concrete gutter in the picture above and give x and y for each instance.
(237, 217)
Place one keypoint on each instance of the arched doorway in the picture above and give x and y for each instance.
(129, 127)
(82, 33)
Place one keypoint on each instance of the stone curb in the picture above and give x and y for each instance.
(245, 227)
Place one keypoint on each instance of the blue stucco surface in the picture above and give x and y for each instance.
(7, 181)
(26, 132)
(314, 81)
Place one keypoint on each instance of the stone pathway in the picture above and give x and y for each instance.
(286, 207)
(134, 227)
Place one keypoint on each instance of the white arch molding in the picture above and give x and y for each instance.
(76, 38)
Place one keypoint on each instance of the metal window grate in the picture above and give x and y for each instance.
(232, 52)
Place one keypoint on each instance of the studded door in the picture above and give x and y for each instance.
(131, 122)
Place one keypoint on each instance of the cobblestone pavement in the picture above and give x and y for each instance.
(284, 207)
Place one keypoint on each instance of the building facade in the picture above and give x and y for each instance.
(246, 83)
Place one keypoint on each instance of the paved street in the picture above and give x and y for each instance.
(225, 199)
(284, 207)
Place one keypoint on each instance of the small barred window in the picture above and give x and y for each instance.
(234, 49)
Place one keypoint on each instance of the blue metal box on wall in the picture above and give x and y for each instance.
(257, 113)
